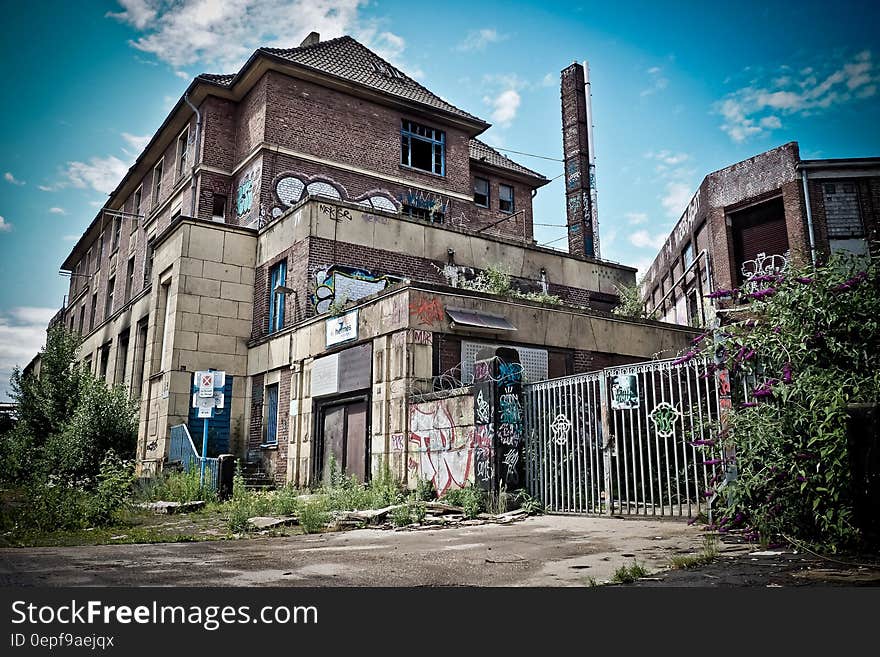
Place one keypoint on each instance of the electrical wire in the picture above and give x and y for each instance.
(510, 150)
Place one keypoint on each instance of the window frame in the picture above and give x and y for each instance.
(488, 202)
(501, 199)
(408, 133)
(181, 162)
(157, 183)
(271, 422)
(277, 276)
(108, 298)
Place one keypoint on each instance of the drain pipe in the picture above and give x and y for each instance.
(809, 217)
(192, 184)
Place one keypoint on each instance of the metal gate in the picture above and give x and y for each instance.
(619, 441)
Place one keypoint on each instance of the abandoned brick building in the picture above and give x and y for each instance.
(756, 214)
(305, 225)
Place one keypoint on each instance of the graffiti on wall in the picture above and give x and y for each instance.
(422, 200)
(427, 311)
(338, 284)
(441, 451)
(509, 429)
(290, 188)
(248, 186)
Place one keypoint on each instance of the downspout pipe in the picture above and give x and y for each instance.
(196, 143)
(809, 217)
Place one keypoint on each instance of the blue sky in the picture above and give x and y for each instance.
(679, 90)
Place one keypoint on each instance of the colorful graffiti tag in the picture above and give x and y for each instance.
(290, 188)
(427, 311)
(441, 451)
(338, 284)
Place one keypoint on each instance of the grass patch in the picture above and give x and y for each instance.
(704, 556)
(629, 574)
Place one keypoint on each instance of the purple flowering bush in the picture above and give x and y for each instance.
(806, 350)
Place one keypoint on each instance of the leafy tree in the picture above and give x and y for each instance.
(631, 304)
(45, 403)
(69, 421)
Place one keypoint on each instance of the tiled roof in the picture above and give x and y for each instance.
(484, 153)
(349, 60)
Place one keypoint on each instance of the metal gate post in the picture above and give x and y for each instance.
(607, 442)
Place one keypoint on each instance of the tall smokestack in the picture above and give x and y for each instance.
(583, 234)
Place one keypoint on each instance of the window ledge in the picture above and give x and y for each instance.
(404, 167)
(269, 446)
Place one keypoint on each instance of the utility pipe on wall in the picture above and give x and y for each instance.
(809, 217)
(192, 184)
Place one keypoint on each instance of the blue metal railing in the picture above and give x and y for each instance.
(183, 451)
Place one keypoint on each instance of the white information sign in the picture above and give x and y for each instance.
(342, 328)
(205, 383)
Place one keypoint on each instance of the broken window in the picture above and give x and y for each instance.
(157, 182)
(688, 255)
(505, 198)
(423, 214)
(218, 211)
(108, 304)
(136, 204)
(481, 192)
(117, 230)
(94, 311)
(129, 279)
(104, 361)
(423, 148)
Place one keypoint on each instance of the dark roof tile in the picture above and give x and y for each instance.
(482, 152)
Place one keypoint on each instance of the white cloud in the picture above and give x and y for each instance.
(756, 108)
(223, 35)
(642, 265)
(46, 188)
(102, 174)
(657, 82)
(677, 180)
(643, 239)
(479, 39)
(136, 142)
(676, 198)
(504, 107)
(8, 177)
(70, 238)
(183, 75)
(57, 210)
(22, 335)
(5, 226)
(636, 218)
(549, 80)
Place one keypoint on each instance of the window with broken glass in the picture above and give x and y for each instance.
(481, 192)
(423, 214)
(423, 148)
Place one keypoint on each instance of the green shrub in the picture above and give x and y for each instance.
(425, 490)
(115, 480)
(472, 500)
(629, 574)
(401, 516)
(806, 341)
(528, 503)
(285, 501)
(313, 517)
(174, 486)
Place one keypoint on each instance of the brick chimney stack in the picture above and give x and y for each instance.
(576, 149)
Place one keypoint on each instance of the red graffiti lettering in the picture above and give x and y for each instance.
(428, 311)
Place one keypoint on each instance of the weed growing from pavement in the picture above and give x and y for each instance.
(708, 553)
(629, 574)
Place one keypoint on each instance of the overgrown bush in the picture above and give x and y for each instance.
(174, 486)
(313, 517)
(808, 343)
(631, 304)
(470, 498)
(496, 280)
(425, 490)
(68, 420)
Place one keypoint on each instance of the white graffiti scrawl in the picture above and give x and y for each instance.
(443, 452)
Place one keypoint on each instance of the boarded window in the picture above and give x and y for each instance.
(842, 212)
(758, 229)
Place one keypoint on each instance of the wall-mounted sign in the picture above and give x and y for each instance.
(342, 328)
(625, 392)
(344, 371)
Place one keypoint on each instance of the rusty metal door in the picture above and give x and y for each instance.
(343, 440)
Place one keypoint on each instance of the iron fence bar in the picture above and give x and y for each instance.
(643, 403)
(682, 442)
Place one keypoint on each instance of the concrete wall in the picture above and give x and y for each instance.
(440, 446)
